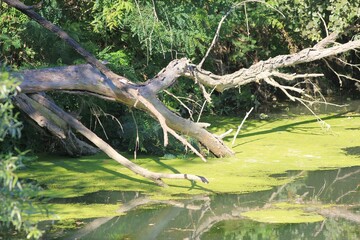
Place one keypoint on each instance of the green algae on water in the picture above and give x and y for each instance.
(283, 216)
(79, 211)
(263, 150)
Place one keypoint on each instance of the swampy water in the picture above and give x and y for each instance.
(316, 205)
(292, 177)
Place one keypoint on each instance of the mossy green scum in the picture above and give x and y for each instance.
(263, 148)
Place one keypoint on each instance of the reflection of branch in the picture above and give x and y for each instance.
(320, 229)
(346, 175)
(133, 204)
(274, 194)
(146, 201)
(211, 221)
(340, 212)
(347, 193)
(203, 214)
(337, 178)
(90, 227)
(321, 189)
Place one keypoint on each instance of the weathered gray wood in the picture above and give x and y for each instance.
(53, 123)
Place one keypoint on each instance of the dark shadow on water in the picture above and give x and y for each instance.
(352, 150)
(243, 143)
(117, 174)
(71, 166)
(193, 184)
(353, 129)
(161, 163)
(290, 127)
(287, 174)
(100, 197)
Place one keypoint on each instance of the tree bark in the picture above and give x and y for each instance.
(86, 79)
(106, 148)
(46, 119)
(270, 67)
(96, 79)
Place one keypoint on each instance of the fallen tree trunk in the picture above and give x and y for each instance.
(96, 79)
(87, 80)
(101, 144)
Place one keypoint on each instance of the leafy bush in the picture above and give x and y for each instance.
(17, 198)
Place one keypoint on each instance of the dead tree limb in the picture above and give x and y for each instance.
(269, 68)
(106, 148)
(86, 79)
(98, 80)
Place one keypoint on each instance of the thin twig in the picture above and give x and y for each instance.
(203, 106)
(216, 36)
(171, 35)
(357, 66)
(325, 26)
(186, 143)
(294, 76)
(225, 134)
(338, 76)
(137, 140)
(240, 126)
(93, 111)
(181, 103)
(247, 21)
(144, 31)
(159, 117)
(322, 122)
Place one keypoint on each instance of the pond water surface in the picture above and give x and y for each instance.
(314, 205)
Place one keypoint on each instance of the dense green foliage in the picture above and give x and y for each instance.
(139, 38)
(17, 198)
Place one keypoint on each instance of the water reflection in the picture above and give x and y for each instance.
(220, 216)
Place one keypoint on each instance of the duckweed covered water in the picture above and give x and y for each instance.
(277, 161)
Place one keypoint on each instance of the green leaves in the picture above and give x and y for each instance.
(12, 47)
(110, 13)
(9, 125)
(16, 197)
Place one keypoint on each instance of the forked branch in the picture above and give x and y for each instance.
(106, 148)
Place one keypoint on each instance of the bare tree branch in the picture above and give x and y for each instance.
(268, 68)
(112, 153)
(240, 126)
